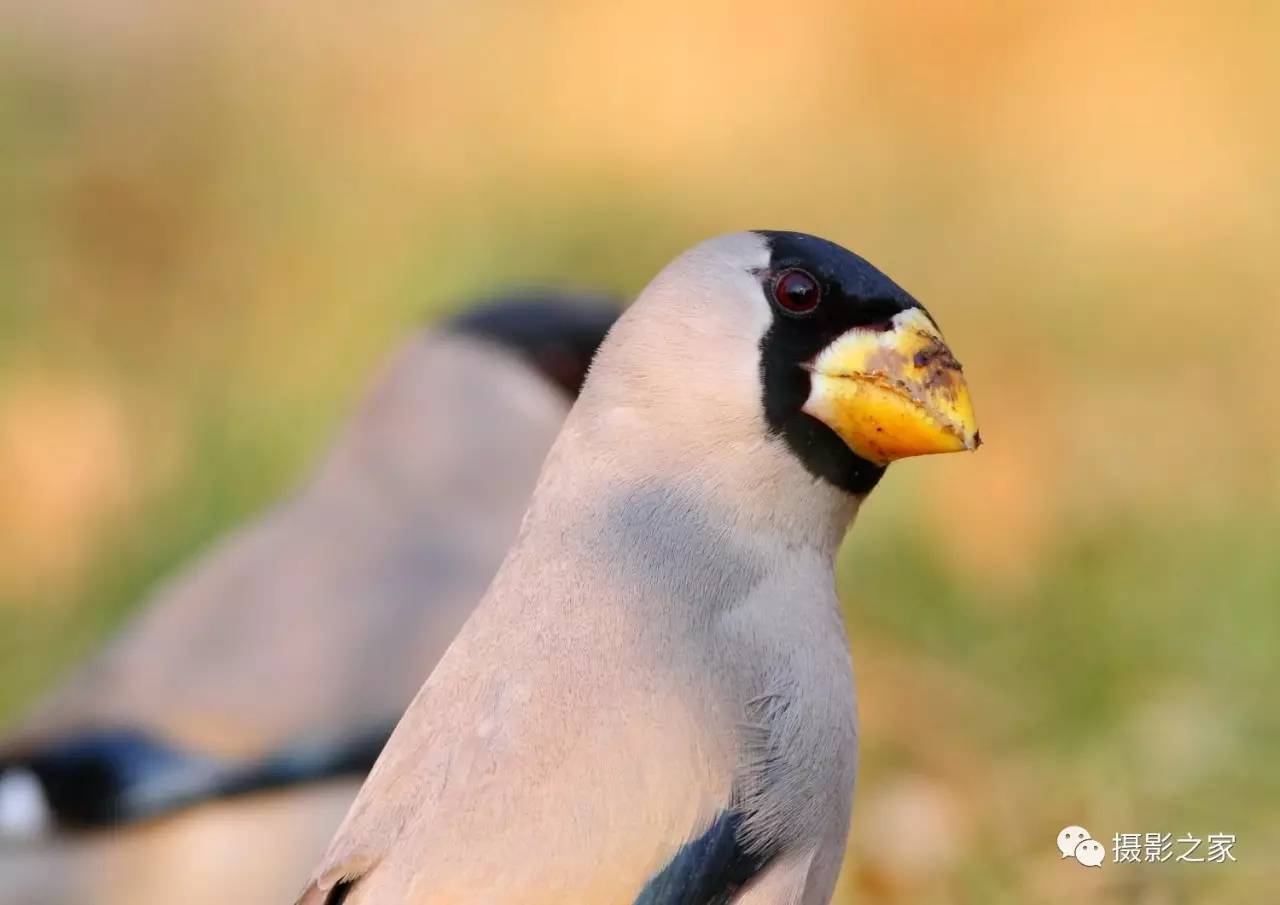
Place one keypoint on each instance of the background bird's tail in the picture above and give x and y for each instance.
(112, 777)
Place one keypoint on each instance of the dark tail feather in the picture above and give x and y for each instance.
(315, 761)
(112, 777)
(95, 778)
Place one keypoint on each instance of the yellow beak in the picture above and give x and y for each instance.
(894, 393)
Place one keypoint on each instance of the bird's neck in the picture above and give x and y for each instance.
(753, 490)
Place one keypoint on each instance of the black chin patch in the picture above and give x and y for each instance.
(854, 294)
(818, 447)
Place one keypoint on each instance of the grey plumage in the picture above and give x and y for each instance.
(272, 658)
(385, 551)
(662, 650)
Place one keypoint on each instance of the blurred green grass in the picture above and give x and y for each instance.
(215, 223)
(1129, 685)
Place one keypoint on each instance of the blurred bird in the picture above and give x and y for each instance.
(653, 704)
(287, 654)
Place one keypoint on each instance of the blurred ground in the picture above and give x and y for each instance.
(215, 219)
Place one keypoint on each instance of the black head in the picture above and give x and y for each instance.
(817, 292)
(556, 332)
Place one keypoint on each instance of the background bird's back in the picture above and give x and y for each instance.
(313, 627)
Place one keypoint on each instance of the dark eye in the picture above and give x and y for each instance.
(797, 292)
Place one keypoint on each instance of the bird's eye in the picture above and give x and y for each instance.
(797, 292)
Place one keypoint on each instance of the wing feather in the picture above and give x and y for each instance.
(709, 870)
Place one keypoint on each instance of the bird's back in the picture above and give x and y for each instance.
(328, 611)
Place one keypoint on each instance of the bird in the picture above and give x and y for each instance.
(287, 654)
(653, 704)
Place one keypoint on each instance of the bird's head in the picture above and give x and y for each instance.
(794, 337)
(855, 371)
